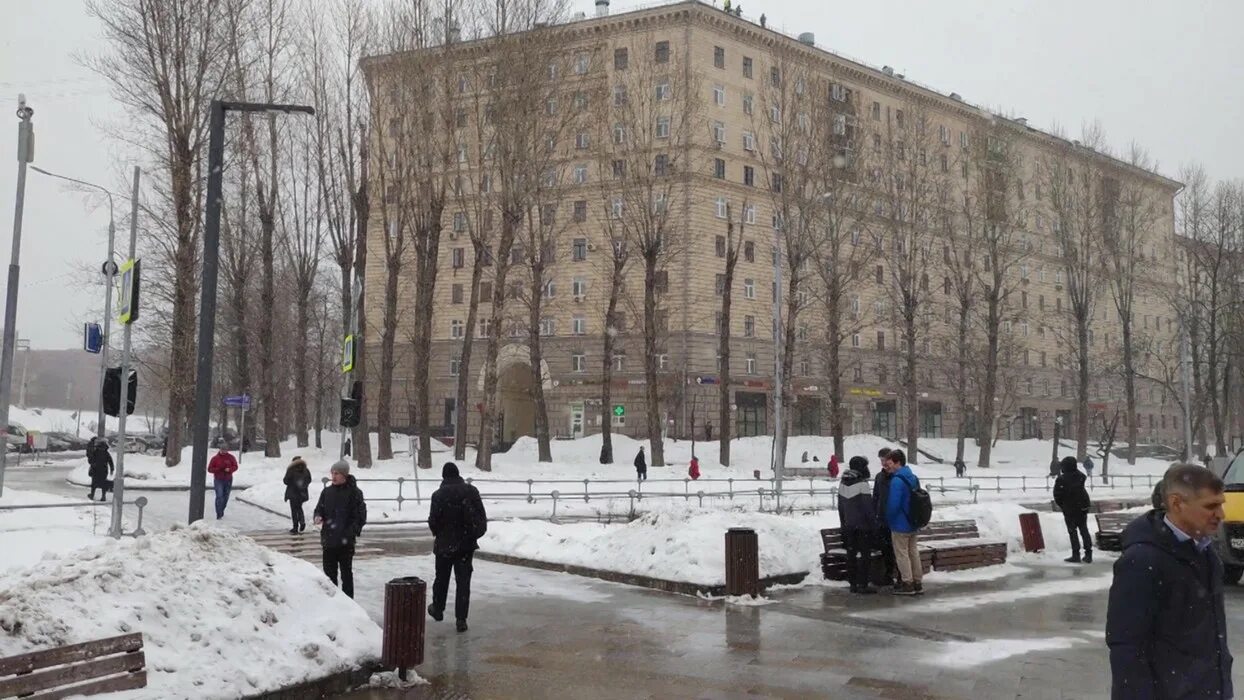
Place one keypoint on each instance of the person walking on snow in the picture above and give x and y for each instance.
(1088, 467)
(100, 467)
(961, 469)
(341, 514)
(297, 479)
(222, 467)
(694, 470)
(1166, 623)
(903, 531)
(641, 466)
(833, 466)
(858, 517)
(457, 520)
(1073, 500)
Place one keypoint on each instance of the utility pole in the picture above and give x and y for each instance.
(23, 344)
(356, 291)
(118, 489)
(25, 154)
(109, 270)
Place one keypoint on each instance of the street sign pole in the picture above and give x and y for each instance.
(25, 154)
(118, 489)
(241, 436)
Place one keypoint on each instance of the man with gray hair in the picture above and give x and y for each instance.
(341, 513)
(1166, 622)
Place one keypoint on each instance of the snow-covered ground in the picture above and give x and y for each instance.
(26, 536)
(221, 616)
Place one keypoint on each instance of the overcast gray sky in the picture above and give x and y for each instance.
(1166, 75)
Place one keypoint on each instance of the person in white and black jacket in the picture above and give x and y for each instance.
(858, 518)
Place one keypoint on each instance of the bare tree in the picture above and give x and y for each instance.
(733, 243)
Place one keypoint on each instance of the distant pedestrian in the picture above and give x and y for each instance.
(884, 539)
(858, 517)
(1088, 466)
(457, 520)
(341, 514)
(694, 470)
(961, 469)
(1166, 623)
(100, 467)
(1073, 500)
(763, 20)
(708, 431)
(804, 458)
(222, 467)
(833, 466)
(903, 484)
(297, 480)
(641, 466)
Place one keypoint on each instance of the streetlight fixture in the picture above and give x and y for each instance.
(207, 302)
(109, 270)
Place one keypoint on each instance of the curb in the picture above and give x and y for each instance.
(660, 584)
(139, 485)
(326, 687)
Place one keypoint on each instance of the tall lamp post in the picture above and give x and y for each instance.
(207, 302)
(25, 154)
(109, 270)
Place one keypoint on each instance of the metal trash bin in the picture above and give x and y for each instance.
(405, 600)
(742, 562)
(1030, 527)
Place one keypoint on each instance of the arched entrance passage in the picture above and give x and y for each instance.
(516, 398)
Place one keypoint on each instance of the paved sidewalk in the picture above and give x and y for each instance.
(1034, 632)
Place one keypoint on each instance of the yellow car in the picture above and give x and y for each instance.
(1230, 540)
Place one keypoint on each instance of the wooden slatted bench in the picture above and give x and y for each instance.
(90, 668)
(947, 545)
(1110, 528)
(834, 558)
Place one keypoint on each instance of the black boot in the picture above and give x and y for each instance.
(1073, 559)
(436, 615)
(1088, 556)
(462, 625)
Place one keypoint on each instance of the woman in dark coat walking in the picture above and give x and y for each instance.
(101, 467)
(297, 479)
(641, 466)
(1073, 500)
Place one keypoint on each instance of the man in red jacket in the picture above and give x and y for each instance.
(222, 467)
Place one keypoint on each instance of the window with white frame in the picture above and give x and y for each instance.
(943, 134)
(582, 141)
(749, 213)
(749, 326)
(578, 362)
(751, 363)
(455, 365)
(615, 208)
(663, 361)
(748, 99)
(578, 287)
(485, 328)
(749, 288)
(855, 340)
(548, 326)
(749, 141)
(619, 134)
(580, 174)
(840, 124)
(580, 63)
(837, 92)
(456, 328)
(550, 289)
(775, 114)
(663, 90)
(619, 95)
(619, 362)
(460, 222)
(578, 325)
(719, 95)
(719, 132)
(720, 207)
(663, 127)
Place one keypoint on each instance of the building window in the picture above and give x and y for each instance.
(880, 274)
(456, 294)
(580, 64)
(663, 90)
(749, 251)
(580, 212)
(621, 59)
(578, 325)
(751, 363)
(455, 365)
(720, 287)
(459, 258)
(749, 143)
(619, 95)
(719, 246)
(747, 66)
(876, 111)
(719, 168)
(749, 326)
(749, 288)
(578, 288)
(881, 340)
(580, 174)
(615, 208)
(579, 246)
(619, 169)
(855, 340)
(719, 57)
(775, 76)
(837, 92)
(721, 207)
(719, 95)
(456, 328)
(485, 291)
(582, 141)
(719, 132)
(548, 326)
(749, 176)
(747, 103)
(578, 362)
(662, 52)
(550, 289)
(663, 127)
(619, 362)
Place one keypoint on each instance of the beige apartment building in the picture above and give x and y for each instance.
(730, 68)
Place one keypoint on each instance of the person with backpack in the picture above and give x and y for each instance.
(297, 480)
(1073, 500)
(457, 520)
(904, 514)
(641, 466)
(857, 516)
(341, 514)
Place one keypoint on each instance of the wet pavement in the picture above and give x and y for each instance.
(1035, 631)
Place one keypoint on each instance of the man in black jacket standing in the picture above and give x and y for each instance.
(457, 520)
(341, 513)
(881, 494)
(1166, 624)
(1072, 498)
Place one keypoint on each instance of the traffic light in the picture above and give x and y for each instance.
(112, 392)
(352, 407)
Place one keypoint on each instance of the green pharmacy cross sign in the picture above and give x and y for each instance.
(619, 410)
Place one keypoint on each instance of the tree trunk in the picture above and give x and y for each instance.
(1082, 389)
(361, 432)
(427, 265)
(1129, 387)
(910, 393)
(610, 335)
(961, 379)
(988, 395)
(652, 391)
(388, 343)
(267, 344)
(461, 410)
(725, 424)
(300, 369)
(536, 359)
(510, 221)
(833, 367)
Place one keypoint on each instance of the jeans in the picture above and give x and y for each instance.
(1077, 522)
(859, 546)
(907, 556)
(222, 487)
(296, 516)
(460, 564)
(340, 557)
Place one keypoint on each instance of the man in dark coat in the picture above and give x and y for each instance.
(100, 467)
(1072, 498)
(641, 466)
(297, 480)
(1166, 623)
(457, 520)
(881, 494)
(858, 518)
(341, 514)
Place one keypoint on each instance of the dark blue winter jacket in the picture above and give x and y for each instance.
(855, 502)
(898, 502)
(1166, 624)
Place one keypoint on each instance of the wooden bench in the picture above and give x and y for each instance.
(947, 545)
(90, 668)
(1110, 528)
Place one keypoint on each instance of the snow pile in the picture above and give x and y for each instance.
(221, 616)
(26, 536)
(673, 543)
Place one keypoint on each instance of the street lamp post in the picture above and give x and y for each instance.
(25, 154)
(23, 344)
(207, 302)
(109, 270)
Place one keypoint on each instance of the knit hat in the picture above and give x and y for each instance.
(449, 471)
(1068, 464)
(341, 466)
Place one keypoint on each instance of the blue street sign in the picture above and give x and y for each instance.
(92, 338)
(243, 401)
